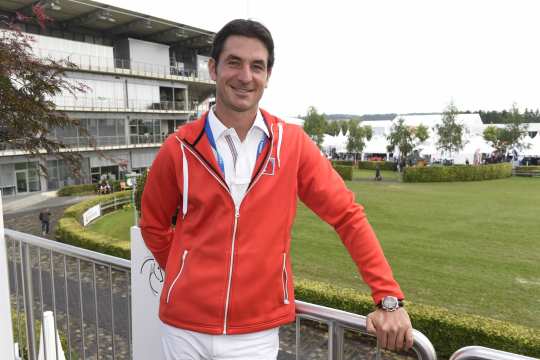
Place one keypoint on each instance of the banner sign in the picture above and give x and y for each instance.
(91, 214)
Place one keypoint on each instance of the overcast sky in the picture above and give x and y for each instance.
(379, 56)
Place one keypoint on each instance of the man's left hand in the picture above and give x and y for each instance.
(393, 329)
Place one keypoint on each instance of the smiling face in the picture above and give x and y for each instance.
(241, 74)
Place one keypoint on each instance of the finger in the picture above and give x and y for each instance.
(409, 338)
(370, 327)
(382, 338)
(400, 338)
(391, 339)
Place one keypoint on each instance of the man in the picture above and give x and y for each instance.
(44, 218)
(235, 176)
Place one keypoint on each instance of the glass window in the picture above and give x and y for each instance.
(107, 127)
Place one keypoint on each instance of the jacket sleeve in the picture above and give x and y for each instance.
(322, 189)
(159, 203)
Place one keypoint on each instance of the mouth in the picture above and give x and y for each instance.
(242, 90)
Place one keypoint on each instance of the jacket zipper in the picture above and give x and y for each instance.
(236, 215)
(178, 275)
(285, 280)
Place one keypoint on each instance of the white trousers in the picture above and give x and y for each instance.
(180, 344)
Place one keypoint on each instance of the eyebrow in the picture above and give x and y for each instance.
(234, 57)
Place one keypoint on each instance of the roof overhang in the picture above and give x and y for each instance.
(113, 21)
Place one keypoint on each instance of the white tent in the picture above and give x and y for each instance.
(377, 145)
(534, 146)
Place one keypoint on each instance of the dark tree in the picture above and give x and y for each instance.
(28, 84)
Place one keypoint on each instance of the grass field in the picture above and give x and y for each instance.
(470, 247)
(115, 224)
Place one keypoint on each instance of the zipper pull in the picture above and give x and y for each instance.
(237, 212)
(184, 255)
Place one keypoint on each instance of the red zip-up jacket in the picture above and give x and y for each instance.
(228, 269)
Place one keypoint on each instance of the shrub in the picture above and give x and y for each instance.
(141, 182)
(70, 231)
(343, 162)
(344, 171)
(457, 173)
(527, 170)
(85, 189)
(372, 165)
(447, 331)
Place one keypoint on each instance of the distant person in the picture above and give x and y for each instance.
(467, 162)
(378, 176)
(45, 218)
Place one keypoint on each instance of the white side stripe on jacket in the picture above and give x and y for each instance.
(185, 173)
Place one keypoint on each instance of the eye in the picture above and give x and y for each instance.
(233, 62)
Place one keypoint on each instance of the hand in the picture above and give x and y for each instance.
(393, 329)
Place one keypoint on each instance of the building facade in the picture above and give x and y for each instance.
(145, 77)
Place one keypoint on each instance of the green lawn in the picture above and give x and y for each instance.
(115, 224)
(471, 247)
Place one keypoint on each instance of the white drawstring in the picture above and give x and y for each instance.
(280, 136)
(185, 189)
(285, 283)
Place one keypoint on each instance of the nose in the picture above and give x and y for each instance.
(245, 74)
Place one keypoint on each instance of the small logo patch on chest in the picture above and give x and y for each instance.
(270, 167)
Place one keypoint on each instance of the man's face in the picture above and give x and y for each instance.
(241, 73)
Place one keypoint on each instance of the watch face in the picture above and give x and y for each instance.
(390, 303)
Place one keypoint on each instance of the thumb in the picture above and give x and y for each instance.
(370, 326)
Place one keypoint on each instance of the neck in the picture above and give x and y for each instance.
(240, 121)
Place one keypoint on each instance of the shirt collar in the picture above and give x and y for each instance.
(218, 128)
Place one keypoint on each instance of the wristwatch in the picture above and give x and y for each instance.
(390, 303)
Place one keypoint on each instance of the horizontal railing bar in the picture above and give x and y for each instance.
(71, 250)
(482, 353)
(422, 346)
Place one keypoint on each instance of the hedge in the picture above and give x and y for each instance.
(372, 165)
(343, 162)
(141, 182)
(86, 189)
(446, 330)
(527, 170)
(70, 231)
(344, 171)
(457, 173)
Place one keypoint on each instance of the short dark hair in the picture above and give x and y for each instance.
(247, 28)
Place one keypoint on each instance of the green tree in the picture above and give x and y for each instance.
(332, 128)
(315, 125)
(450, 131)
(511, 135)
(28, 116)
(406, 138)
(357, 136)
(344, 126)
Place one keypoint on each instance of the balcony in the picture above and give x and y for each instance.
(99, 142)
(99, 104)
(101, 64)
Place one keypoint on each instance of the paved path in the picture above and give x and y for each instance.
(21, 212)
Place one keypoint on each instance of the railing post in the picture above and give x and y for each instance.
(335, 341)
(28, 294)
(6, 330)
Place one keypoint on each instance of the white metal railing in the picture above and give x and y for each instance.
(482, 353)
(87, 291)
(113, 104)
(89, 294)
(124, 66)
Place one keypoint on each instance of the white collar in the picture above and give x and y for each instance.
(218, 128)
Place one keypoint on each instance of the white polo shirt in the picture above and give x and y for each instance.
(238, 158)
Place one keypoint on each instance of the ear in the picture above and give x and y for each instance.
(268, 73)
(212, 68)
